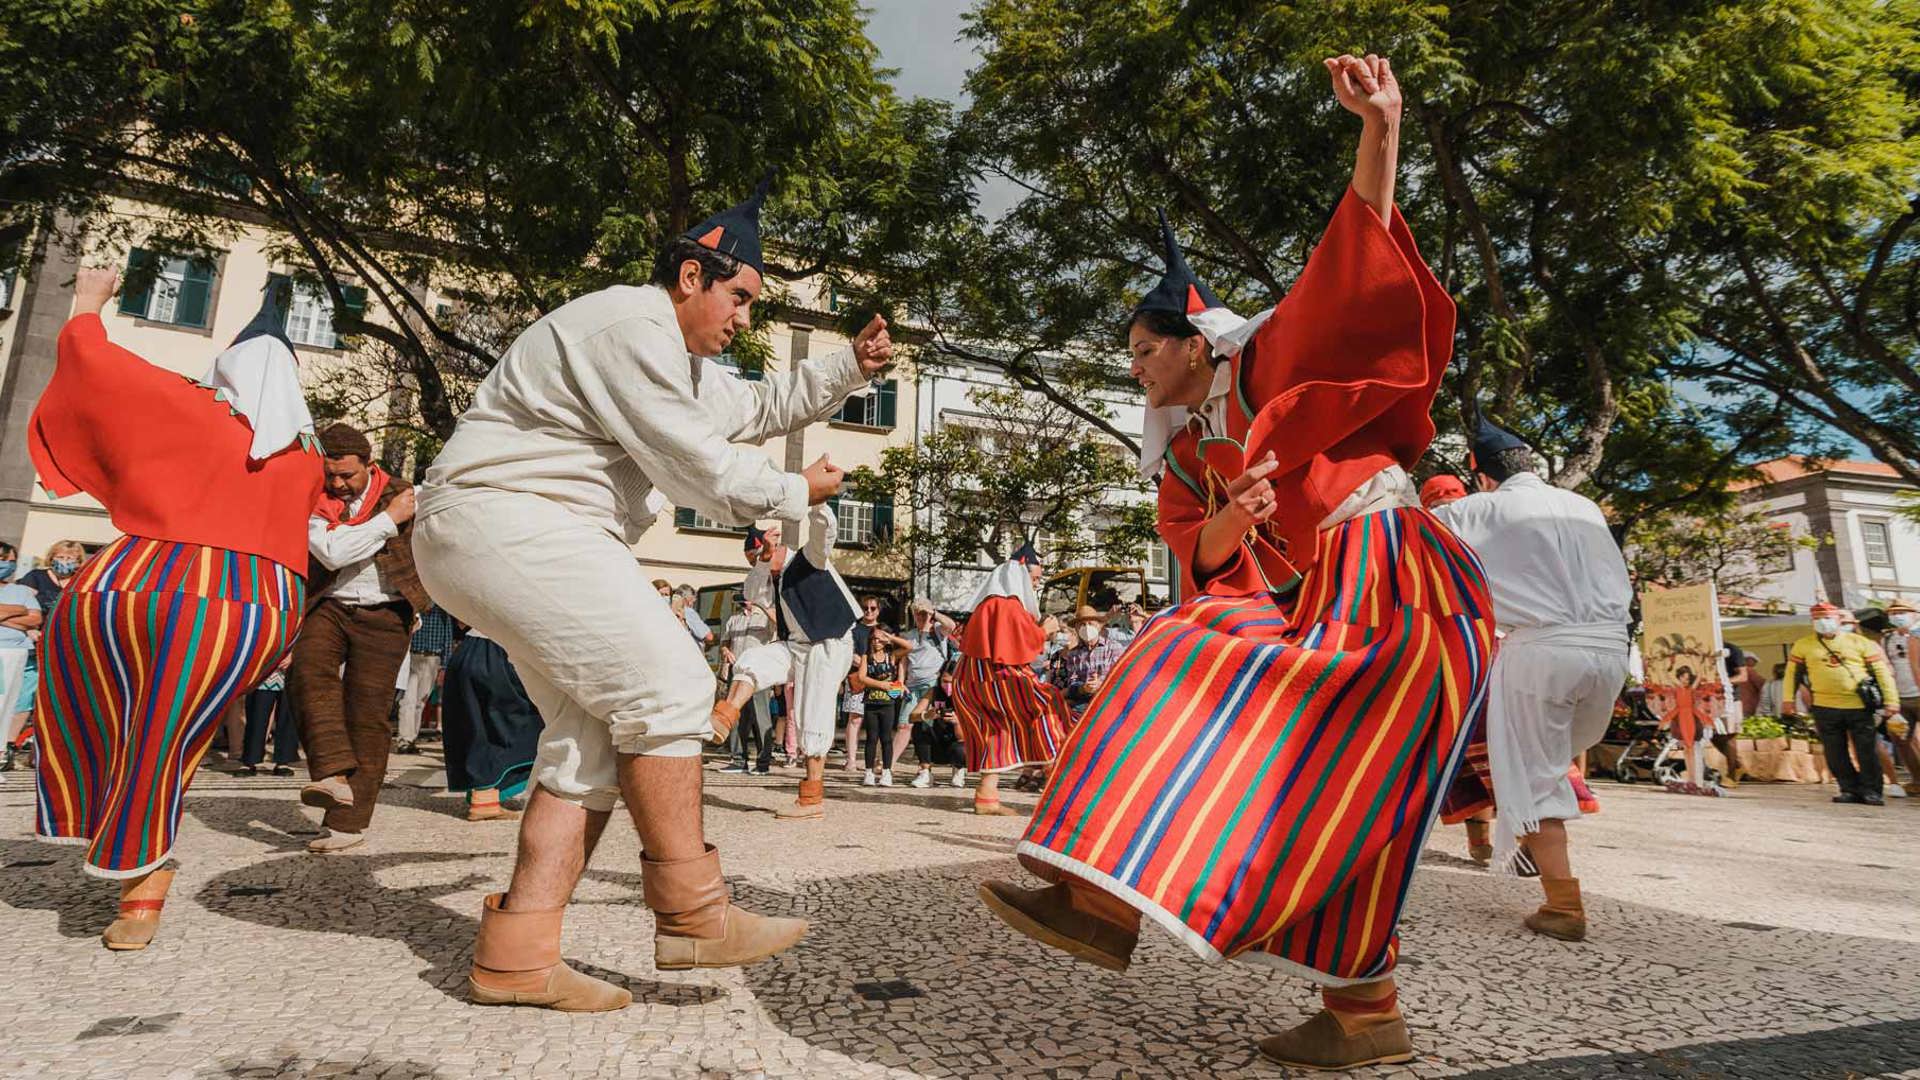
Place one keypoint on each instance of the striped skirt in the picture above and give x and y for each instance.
(1258, 775)
(142, 654)
(1007, 717)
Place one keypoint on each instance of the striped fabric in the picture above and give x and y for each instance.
(143, 653)
(1258, 775)
(1008, 718)
(1472, 788)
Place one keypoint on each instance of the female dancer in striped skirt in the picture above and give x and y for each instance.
(1259, 771)
(212, 483)
(1008, 719)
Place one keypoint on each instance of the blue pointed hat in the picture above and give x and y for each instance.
(735, 231)
(1179, 291)
(271, 319)
(1490, 440)
(1025, 553)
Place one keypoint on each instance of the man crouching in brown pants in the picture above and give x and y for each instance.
(361, 599)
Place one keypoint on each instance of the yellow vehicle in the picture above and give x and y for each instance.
(1102, 587)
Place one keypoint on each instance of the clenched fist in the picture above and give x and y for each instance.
(873, 346)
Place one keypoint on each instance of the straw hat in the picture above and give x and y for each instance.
(1088, 613)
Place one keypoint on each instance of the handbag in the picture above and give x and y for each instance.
(1867, 689)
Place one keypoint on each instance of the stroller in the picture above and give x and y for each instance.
(1653, 753)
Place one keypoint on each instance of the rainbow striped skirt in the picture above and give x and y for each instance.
(140, 657)
(1258, 774)
(1007, 717)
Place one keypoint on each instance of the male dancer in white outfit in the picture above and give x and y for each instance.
(1561, 596)
(524, 533)
(818, 612)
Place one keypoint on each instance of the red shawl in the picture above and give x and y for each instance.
(332, 510)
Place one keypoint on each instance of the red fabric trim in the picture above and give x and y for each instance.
(711, 238)
(332, 509)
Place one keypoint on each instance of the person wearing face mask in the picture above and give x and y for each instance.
(929, 643)
(1903, 654)
(1009, 719)
(1079, 669)
(63, 561)
(20, 614)
(1853, 690)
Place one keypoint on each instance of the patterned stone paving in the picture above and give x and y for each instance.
(274, 963)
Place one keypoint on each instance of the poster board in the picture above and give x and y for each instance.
(1680, 644)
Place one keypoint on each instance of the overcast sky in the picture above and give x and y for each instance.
(921, 38)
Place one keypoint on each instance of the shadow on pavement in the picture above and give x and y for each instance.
(1846, 1053)
(37, 876)
(343, 894)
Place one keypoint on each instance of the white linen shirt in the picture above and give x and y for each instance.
(1550, 560)
(349, 550)
(599, 403)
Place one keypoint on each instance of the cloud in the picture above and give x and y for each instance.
(922, 39)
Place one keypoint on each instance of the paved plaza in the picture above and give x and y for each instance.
(1768, 934)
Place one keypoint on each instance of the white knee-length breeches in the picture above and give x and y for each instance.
(816, 669)
(610, 667)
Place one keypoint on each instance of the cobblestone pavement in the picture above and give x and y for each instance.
(1768, 934)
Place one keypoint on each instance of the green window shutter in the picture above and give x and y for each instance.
(131, 302)
(883, 516)
(196, 293)
(356, 301)
(683, 517)
(886, 396)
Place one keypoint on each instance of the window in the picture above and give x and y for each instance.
(872, 408)
(685, 517)
(310, 314)
(862, 524)
(1159, 562)
(751, 373)
(1878, 544)
(180, 293)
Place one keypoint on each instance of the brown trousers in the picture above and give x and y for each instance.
(344, 716)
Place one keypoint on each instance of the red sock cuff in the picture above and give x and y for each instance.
(1354, 1005)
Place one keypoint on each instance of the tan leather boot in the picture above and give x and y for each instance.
(140, 905)
(1080, 925)
(994, 808)
(1324, 1043)
(328, 793)
(516, 961)
(723, 718)
(813, 794)
(696, 925)
(1479, 842)
(1562, 916)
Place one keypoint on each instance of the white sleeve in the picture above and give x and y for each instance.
(343, 544)
(822, 529)
(637, 379)
(783, 402)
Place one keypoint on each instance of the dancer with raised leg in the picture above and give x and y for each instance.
(816, 616)
(596, 412)
(1258, 773)
(210, 481)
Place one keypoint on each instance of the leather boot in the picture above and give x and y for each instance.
(516, 961)
(1324, 1043)
(994, 808)
(813, 794)
(328, 793)
(139, 912)
(1479, 842)
(1084, 923)
(697, 925)
(723, 718)
(1562, 916)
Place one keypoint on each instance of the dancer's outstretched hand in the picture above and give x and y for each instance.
(823, 480)
(93, 286)
(1366, 87)
(873, 346)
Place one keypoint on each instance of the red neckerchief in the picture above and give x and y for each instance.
(333, 509)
